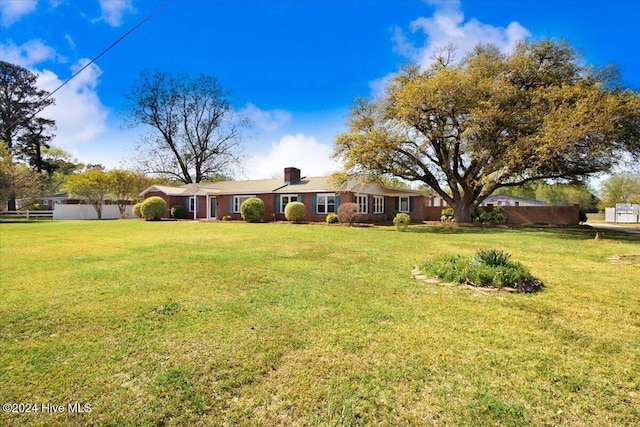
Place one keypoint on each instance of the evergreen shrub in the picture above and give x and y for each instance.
(178, 212)
(446, 215)
(332, 219)
(136, 210)
(252, 210)
(295, 211)
(402, 221)
(153, 208)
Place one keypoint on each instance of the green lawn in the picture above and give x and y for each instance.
(198, 324)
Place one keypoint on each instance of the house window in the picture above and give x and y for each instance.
(237, 202)
(362, 202)
(404, 204)
(378, 204)
(285, 199)
(326, 203)
(193, 204)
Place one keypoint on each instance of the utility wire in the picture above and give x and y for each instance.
(50, 94)
(155, 12)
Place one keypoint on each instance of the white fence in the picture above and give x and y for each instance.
(27, 214)
(62, 211)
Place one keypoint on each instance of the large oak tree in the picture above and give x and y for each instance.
(493, 120)
(194, 135)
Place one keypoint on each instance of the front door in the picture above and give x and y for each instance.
(213, 207)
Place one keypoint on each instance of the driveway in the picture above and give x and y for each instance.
(616, 227)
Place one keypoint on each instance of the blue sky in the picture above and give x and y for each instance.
(294, 67)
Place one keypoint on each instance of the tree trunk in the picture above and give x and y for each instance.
(11, 203)
(462, 211)
(98, 208)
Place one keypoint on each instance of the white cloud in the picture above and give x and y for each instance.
(70, 41)
(299, 150)
(448, 26)
(78, 112)
(28, 54)
(268, 120)
(12, 10)
(113, 11)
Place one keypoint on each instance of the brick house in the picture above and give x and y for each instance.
(219, 199)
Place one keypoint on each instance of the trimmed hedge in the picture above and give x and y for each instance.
(332, 219)
(153, 208)
(136, 210)
(295, 211)
(178, 212)
(252, 210)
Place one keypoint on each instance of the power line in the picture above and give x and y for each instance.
(151, 15)
(50, 94)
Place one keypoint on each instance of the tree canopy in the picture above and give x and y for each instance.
(126, 186)
(92, 185)
(194, 135)
(620, 188)
(493, 120)
(22, 131)
(17, 180)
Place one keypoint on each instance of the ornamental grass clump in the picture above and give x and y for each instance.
(487, 268)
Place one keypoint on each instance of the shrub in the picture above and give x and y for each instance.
(136, 210)
(332, 219)
(348, 213)
(496, 216)
(583, 215)
(295, 211)
(402, 221)
(226, 218)
(487, 268)
(178, 212)
(446, 215)
(478, 215)
(252, 210)
(153, 208)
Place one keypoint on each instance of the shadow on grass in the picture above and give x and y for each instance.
(567, 233)
(24, 220)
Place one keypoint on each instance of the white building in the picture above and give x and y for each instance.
(503, 200)
(623, 212)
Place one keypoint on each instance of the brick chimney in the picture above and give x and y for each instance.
(291, 174)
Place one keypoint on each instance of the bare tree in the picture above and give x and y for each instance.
(194, 135)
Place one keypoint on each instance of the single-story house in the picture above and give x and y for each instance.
(216, 200)
(503, 200)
